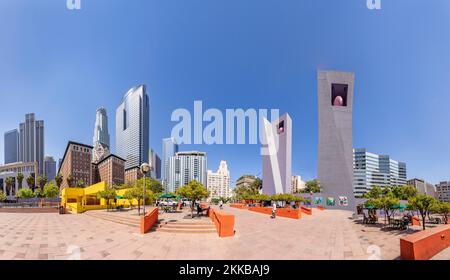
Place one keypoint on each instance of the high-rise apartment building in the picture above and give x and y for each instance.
(185, 167)
(11, 146)
(443, 191)
(169, 148)
(298, 184)
(371, 170)
(31, 141)
(50, 168)
(132, 127)
(101, 136)
(77, 162)
(218, 183)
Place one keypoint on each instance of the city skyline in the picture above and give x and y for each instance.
(390, 84)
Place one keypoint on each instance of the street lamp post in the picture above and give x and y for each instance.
(145, 168)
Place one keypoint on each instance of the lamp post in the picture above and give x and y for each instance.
(145, 168)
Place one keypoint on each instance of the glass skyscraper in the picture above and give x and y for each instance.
(132, 127)
(31, 141)
(11, 146)
(170, 148)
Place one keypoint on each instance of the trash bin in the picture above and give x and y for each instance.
(61, 210)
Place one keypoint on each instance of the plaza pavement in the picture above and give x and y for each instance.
(327, 235)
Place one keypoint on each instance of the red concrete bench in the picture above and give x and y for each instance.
(149, 220)
(415, 221)
(425, 244)
(305, 210)
(321, 208)
(224, 222)
(238, 205)
(282, 212)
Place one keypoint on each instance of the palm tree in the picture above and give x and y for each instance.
(9, 182)
(31, 181)
(20, 178)
(42, 180)
(81, 184)
(58, 180)
(70, 180)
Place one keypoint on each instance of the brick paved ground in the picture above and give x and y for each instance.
(325, 235)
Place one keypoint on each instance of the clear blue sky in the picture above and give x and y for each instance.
(63, 64)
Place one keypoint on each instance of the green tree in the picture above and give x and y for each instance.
(2, 196)
(312, 186)
(81, 184)
(42, 180)
(38, 192)
(151, 184)
(256, 186)
(138, 194)
(9, 181)
(108, 194)
(20, 178)
(51, 190)
(31, 181)
(404, 192)
(58, 180)
(442, 208)
(193, 191)
(422, 203)
(25, 193)
(70, 180)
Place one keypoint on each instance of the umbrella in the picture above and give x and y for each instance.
(119, 197)
(370, 207)
(167, 195)
(399, 206)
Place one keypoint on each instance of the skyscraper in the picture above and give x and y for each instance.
(101, 136)
(335, 161)
(11, 146)
(156, 164)
(50, 168)
(31, 141)
(218, 183)
(170, 148)
(185, 167)
(132, 127)
(277, 163)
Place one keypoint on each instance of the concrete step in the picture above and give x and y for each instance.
(174, 225)
(187, 223)
(186, 230)
(115, 219)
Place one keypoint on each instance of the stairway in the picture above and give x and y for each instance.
(186, 227)
(119, 219)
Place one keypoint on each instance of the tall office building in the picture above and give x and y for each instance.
(335, 160)
(371, 170)
(218, 183)
(132, 127)
(185, 167)
(156, 165)
(31, 141)
(423, 187)
(101, 136)
(11, 146)
(170, 148)
(443, 191)
(277, 162)
(50, 168)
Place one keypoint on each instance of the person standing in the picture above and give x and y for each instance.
(274, 210)
(221, 204)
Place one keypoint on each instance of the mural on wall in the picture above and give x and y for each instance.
(343, 201)
(330, 201)
(318, 200)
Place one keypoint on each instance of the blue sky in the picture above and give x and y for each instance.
(63, 64)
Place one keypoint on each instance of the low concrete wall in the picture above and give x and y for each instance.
(282, 212)
(425, 244)
(224, 222)
(305, 210)
(149, 220)
(29, 210)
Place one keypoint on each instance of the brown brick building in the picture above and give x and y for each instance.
(132, 175)
(111, 170)
(76, 162)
